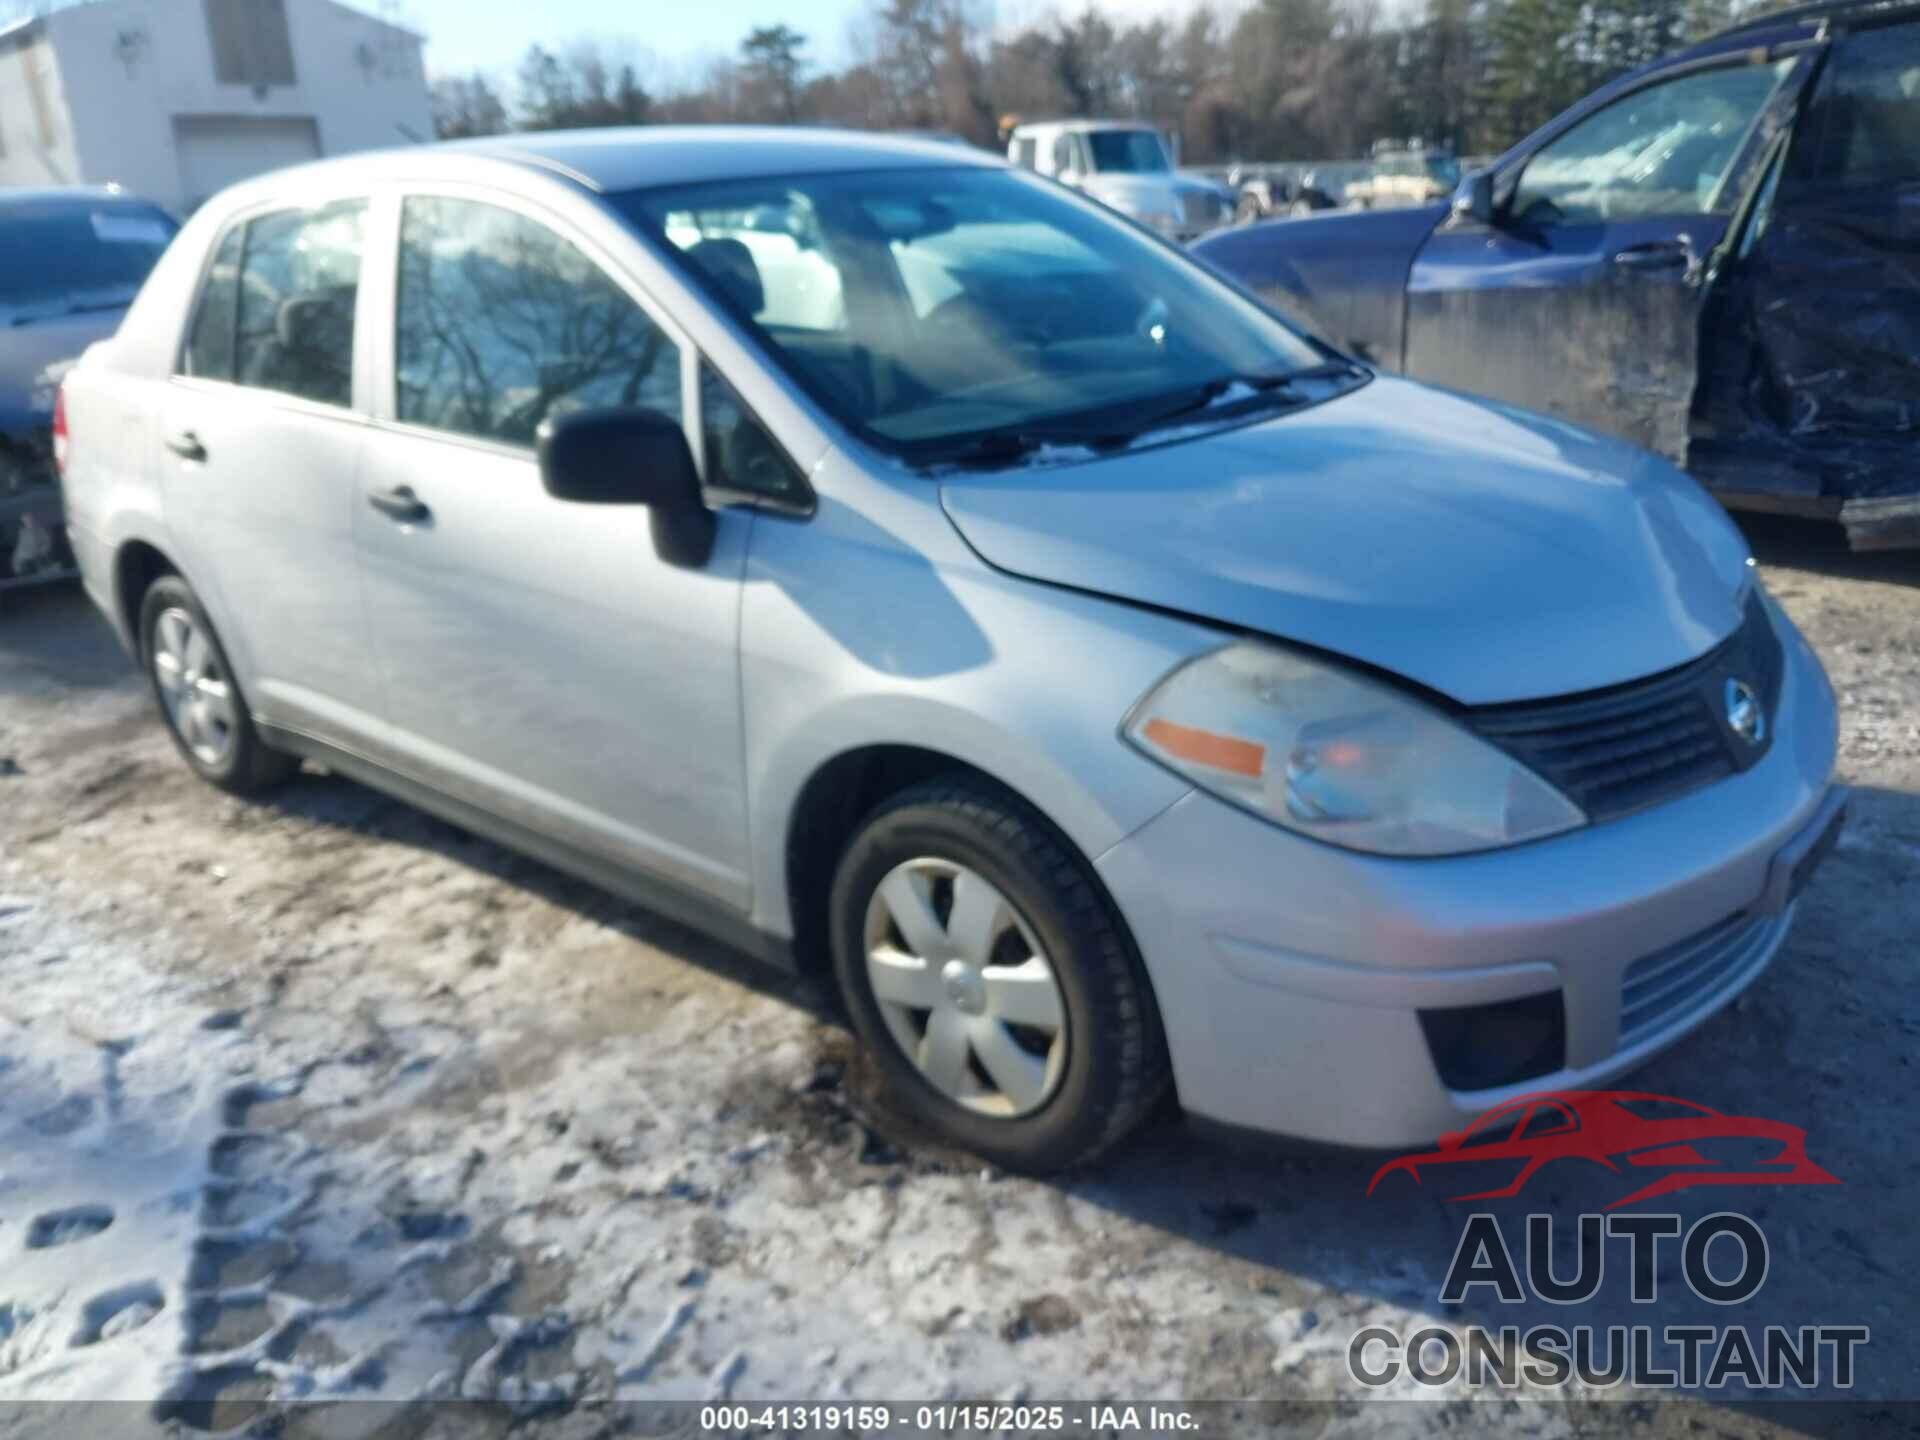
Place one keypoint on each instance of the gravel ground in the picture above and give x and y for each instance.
(320, 1097)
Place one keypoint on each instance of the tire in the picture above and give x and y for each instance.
(201, 703)
(1102, 1067)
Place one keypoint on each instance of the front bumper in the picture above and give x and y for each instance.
(1291, 975)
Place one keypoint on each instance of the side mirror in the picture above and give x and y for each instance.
(1473, 200)
(630, 457)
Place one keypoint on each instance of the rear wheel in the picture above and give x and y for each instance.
(199, 698)
(987, 972)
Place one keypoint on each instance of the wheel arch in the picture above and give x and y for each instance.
(136, 565)
(827, 812)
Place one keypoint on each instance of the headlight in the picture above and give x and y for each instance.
(1329, 753)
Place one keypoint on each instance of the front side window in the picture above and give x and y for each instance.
(1127, 152)
(924, 306)
(1664, 150)
(299, 278)
(500, 323)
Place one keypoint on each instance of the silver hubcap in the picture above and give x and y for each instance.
(193, 687)
(965, 988)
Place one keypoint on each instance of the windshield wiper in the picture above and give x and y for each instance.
(1000, 447)
(1266, 386)
(1016, 442)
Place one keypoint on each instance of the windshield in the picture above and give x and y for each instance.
(60, 256)
(927, 304)
(1126, 152)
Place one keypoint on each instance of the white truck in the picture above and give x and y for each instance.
(1125, 164)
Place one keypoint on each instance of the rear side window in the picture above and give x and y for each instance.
(1863, 127)
(502, 323)
(277, 311)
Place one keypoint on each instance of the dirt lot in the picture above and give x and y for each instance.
(321, 1097)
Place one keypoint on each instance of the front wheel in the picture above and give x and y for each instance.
(199, 698)
(987, 972)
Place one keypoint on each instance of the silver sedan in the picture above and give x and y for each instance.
(908, 570)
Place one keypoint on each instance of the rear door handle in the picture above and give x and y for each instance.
(186, 445)
(400, 503)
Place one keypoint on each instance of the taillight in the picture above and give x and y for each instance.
(60, 429)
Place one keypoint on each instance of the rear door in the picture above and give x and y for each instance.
(262, 445)
(1582, 298)
(1810, 394)
(542, 661)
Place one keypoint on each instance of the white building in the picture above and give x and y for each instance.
(175, 99)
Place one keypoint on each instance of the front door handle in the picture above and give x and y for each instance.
(1665, 255)
(1674, 254)
(186, 445)
(400, 503)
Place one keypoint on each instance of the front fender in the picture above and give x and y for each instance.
(850, 640)
(1345, 271)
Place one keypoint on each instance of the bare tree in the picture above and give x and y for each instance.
(466, 105)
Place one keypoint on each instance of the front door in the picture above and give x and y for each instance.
(1582, 297)
(541, 660)
(263, 444)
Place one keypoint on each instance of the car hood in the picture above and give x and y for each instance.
(34, 357)
(1486, 553)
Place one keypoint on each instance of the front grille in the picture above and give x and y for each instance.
(1619, 750)
(1665, 986)
(1202, 208)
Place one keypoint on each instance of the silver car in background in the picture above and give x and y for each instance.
(898, 565)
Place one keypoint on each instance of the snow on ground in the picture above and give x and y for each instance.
(318, 1098)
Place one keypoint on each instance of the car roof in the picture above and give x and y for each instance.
(1788, 23)
(77, 194)
(639, 156)
(1082, 124)
(1781, 27)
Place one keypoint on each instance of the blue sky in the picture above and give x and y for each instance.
(493, 34)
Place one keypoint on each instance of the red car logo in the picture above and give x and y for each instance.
(1689, 1144)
